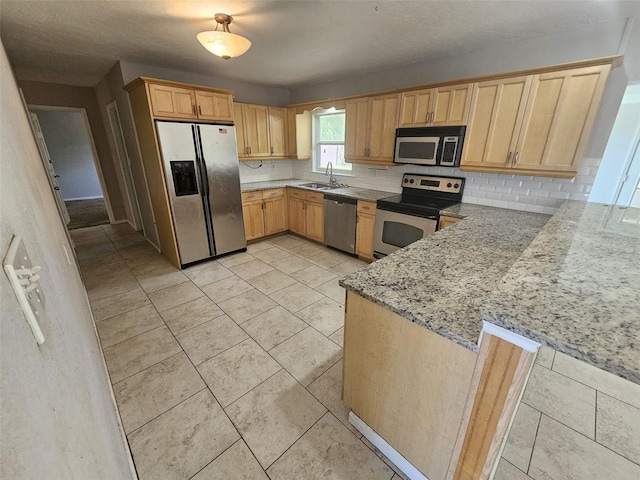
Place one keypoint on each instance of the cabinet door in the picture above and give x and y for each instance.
(238, 120)
(172, 102)
(290, 134)
(275, 211)
(451, 105)
(315, 221)
(356, 128)
(276, 131)
(560, 112)
(383, 124)
(364, 236)
(415, 108)
(253, 220)
(496, 115)
(256, 129)
(297, 216)
(214, 106)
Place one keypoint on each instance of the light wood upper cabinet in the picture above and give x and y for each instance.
(277, 131)
(535, 124)
(438, 106)
(371, 124)
(214, 106)
(264, 131)
(497, 110)
(174, 102)
(557, 122)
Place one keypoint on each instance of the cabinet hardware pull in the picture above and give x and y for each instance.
(193, 107)
(199, 110)
(515, 158)
(509, 158)
(271, 150)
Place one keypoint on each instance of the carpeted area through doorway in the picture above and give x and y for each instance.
(87, 213)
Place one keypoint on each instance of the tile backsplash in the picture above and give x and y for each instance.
(517, 192)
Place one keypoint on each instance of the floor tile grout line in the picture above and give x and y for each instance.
(146, 368)
(535, 440)
(597, 389)
(169, 409)
(589, 439)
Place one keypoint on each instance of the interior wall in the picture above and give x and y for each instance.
(243, 91)
(54, 95)
(112, 88)
(68, 145)
(57, 415)
(262, 171)
(620, 149)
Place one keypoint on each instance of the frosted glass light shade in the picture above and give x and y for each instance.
(224, 44)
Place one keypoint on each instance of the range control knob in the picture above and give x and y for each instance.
(406, 180)
(411, 181)
(456, 185)
(449, 185)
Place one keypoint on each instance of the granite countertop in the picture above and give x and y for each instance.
(441, 281)
(570, 281)
(350, 192)
(577, 288)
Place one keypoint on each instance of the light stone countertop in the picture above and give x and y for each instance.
(571, 283)
(577, 288)
(441, 281)
(350, 192)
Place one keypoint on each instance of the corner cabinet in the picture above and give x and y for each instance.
(371, 124)
(533, 125)
(439, 106)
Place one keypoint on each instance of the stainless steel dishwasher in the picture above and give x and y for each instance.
(340, 222)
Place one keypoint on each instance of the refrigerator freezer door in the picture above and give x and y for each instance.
(225, 198)
(184, 188)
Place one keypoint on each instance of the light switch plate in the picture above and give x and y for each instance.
(24, 277)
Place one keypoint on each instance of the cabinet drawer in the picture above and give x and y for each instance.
(275, 193)
(296, 193)
(251, 196)
(368, 208)
(315, 197)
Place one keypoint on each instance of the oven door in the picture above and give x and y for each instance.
(417, 150)
(393, 231)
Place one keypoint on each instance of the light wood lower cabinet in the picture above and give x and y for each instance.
(306, 213)
(407, 383)
(364, 231)
(447, 221)
(443, 407)
(265, 213)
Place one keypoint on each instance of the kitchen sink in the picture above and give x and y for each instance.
(320, 186)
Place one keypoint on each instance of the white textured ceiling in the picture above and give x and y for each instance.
(295, 43)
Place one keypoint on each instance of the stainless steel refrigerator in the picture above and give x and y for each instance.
(203, 183)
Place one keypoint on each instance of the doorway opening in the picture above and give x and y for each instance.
(67, 145)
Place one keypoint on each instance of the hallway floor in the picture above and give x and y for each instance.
(230, 369)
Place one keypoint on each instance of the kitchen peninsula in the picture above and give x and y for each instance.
(568, 282)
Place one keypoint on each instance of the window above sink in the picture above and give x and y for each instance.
(328, 140)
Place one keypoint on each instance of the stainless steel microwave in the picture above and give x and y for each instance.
(431, 146)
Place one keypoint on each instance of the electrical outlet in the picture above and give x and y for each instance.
(24, 278)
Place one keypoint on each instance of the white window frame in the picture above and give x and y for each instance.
(317, 145)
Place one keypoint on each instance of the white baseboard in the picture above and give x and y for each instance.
(391, 453)
(83, 198)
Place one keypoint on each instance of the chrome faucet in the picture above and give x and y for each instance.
(329, 171)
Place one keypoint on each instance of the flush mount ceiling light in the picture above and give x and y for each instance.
(223, 43)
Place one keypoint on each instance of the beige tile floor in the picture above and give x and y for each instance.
(230, 368)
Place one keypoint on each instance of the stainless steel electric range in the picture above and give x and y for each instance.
(414, 214)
